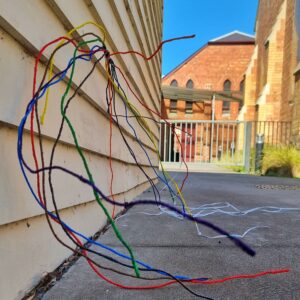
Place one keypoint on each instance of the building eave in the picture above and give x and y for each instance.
(232, 33)
(197, 95)
(231, 43)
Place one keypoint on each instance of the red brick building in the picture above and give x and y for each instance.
(208, 85)
(272, 84)
(216, 68)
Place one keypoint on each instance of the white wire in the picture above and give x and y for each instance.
(218, 208)
(234, 234)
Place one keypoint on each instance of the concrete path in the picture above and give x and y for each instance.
(173, 245)
(198, 168)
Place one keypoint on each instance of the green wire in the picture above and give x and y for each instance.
(116, 230)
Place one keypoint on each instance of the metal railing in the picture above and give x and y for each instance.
(217, 142)
(275, 132)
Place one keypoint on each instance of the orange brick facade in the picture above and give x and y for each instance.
(212, 66)
(208, 69)
(271, 85)
(201, 111)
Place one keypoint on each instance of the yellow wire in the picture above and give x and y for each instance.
(130, 105)
(52, 62)
(151, 136)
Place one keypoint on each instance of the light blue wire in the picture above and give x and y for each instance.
(20, 158)
(149, 160)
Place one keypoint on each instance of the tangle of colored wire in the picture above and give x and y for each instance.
(113, 87)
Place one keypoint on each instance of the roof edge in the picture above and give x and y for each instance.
(232, 43)
(213, 42)
(231, 33)
(185, 61)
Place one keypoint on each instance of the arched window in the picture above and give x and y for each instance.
(242, 86)
(190, 84)
(227, 85)
(174, 82)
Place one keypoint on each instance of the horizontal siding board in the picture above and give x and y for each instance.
(149, 27)
(25, 26)
(23, 204)
(129, 30)
(125, 33)
(150, 46)
(61, 9)
(153, 21)
(21, 65)
(153, 156)
(92, 86)
(30, 256)
(155, 27)
(114, 48)
(130, 9)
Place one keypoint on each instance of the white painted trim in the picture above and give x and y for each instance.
(231, 33)
(262, 98)
(241, 113)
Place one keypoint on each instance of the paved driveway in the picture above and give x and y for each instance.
(171, 244)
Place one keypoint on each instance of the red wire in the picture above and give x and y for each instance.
(159, 115)
(245, 276)
(148, 58)
(271, 272)
(157, 49)
(37, 60)
(110, 87)
(215, 281)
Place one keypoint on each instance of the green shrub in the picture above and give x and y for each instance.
(281, 161)
(233, 162)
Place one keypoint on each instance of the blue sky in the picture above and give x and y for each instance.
(207, 19)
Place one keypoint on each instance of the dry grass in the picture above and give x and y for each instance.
(281, 161)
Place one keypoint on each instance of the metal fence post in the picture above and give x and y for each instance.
(159, 141)
(247, 145)
(259, 152)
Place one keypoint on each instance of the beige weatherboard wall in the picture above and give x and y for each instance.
(27, 249)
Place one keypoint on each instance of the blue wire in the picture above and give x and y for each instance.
(141, 145)
(22, 163)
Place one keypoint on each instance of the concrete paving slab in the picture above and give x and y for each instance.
(171, 244)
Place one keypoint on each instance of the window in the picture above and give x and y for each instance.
(190, 84)
(174, 82)
(226, 107)
(242, 86)
(188, 107)
(227, 85)
(173, 106)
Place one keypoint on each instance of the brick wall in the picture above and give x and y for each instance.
(290, 62)
(212, 65)
(209, 68)
(270, 82)
(248, 110)
(266, 18)
(201, 111)
(296, 111)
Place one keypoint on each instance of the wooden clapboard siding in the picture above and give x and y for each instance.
(25, 26)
